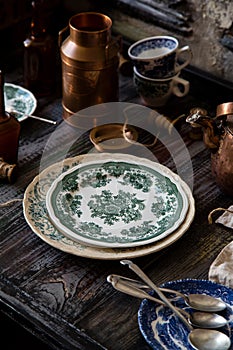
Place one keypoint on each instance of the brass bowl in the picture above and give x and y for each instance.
(113, 136)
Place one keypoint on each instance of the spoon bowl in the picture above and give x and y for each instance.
(211, 339)
(207, 320)
(196, 319)
(202, 302)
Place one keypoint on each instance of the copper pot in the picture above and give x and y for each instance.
(90, 59)
(218, 136)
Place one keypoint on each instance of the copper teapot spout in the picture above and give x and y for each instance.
(218, 136)
(212, 130)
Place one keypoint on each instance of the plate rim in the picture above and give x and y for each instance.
(68, 246)
(23, 117)
(115, 158)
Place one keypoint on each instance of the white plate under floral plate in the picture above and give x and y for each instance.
(35, 213)
(116, 201)
(19, 99)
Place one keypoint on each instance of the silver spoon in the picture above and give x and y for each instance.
(197, 319)
(201, 339)
(210, 339)
(201, 302)
(33, 117)
(202, 319)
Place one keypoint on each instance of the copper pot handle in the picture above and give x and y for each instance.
(114, 44)
(224, 109)
(60, 35)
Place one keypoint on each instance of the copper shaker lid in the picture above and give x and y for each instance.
(224, 109)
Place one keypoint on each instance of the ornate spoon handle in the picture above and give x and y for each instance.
(147, 280)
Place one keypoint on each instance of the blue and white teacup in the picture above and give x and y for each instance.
(156, 92)
(157, 57)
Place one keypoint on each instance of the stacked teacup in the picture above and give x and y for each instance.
(157, 69)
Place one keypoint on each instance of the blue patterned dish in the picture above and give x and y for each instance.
(19, 99)
(117, 201)
(163, 330)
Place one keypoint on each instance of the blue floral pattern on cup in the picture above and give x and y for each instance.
(157, 57)
(152, 94)
(156, 92)
(150, 89)
(159, 68)
(153, 44)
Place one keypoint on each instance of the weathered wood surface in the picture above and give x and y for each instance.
(65, 299)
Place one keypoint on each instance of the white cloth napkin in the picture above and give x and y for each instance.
(221, 270)
(226, 218)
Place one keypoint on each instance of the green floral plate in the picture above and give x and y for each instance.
(19, 99)
(117, 200)
(35, 213)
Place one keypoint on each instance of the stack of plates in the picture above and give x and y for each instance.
(108, 206)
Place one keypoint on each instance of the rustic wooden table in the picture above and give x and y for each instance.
(65, 299)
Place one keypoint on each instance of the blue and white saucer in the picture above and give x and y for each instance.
(164, 331)
(19, 100)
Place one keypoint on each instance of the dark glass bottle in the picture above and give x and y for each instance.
(39, 54)
(9, 130)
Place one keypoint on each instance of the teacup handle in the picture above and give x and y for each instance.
(180, 87)
(185, 49)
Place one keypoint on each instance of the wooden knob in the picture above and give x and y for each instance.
(8, 172)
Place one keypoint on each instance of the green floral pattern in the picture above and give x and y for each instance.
(115, 203)
(18, 99)
(112, 208)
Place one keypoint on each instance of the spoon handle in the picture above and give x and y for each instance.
(132, 290)
(147, 280)
(139, 284)
(135, 291)
(34, 117)
(41, 119)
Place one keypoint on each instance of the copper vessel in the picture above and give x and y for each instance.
(90, 59)
(218, 136)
